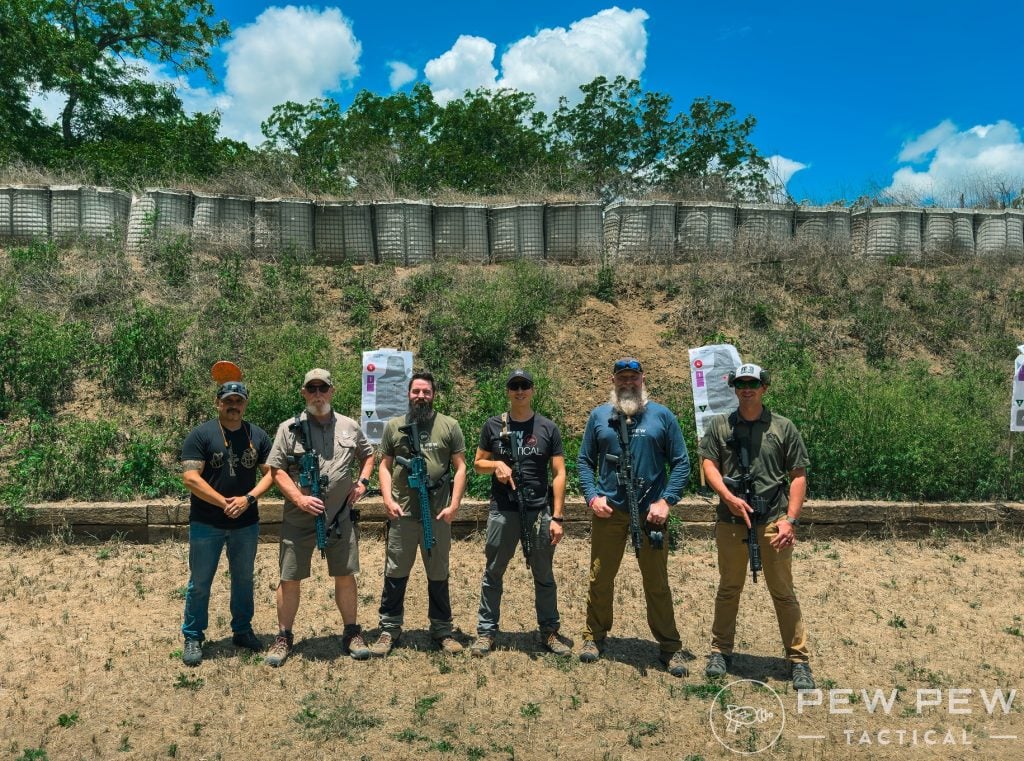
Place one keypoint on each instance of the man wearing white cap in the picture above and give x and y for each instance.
(776, 463)
(341, 449)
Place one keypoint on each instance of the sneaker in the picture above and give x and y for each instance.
(556, 644)
(353, 643)
(192, 655)
(716, 667)
(449, 645)
(674, 663)
(279, 650)
(483, 645)
(248, 640)
(591, 652)
(385, 642)
(802, 679)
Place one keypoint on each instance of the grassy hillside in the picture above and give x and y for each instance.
(897, 373)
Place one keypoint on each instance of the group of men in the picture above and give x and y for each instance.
(633, 467)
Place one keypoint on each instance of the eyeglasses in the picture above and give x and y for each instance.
(627, 364)
(317, 388)
(747, 383)
(519, 386)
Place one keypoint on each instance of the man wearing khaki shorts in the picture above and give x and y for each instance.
(341, 447)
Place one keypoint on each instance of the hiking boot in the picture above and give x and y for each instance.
(674, 663)
(248, 640)
(483, 645)
(192, 654)
(591, 652)
(449, 645)
(385, 642)
(353, 643)
(716, 667)
(279, 650)
(802, 679)
(556, 644)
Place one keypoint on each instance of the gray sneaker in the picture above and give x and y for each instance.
(802, 679)
(352, 642)
(192, 654)
(674, 663)
(384, 644)
(716, 667)
(483, 646)
(556, 644)
(278, 652)
(591, 652)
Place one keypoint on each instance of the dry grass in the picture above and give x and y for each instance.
(90, 634)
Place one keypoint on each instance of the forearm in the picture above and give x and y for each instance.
(264, 484)
(200, 488)
(797, 495)
(713, 476)
(286, 485)
(459, 484)
(367, 468)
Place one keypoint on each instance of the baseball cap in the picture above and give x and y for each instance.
(233, 388)
(749, 371)
(519, 374)
(627, 363)
(318, 374)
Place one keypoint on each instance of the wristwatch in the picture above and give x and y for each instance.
(364, 481)
(557, 519)
(793, 521)
(251, 500)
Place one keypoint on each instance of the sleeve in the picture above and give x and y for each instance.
(458, 441)
(194, 448)
(485, 436)
(586, 462)
(278, 457)
(796, 450)
(678, 459)
(387, 439)
(557, 449)
(710, 447)
(363, 446)
(262, 443)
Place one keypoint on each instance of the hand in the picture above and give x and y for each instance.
(447, 514)
(393, 508)
(786, 537)
(235, 506)
(504, 474)
(556, 531)
(357, 493)
(657, 514)
(739, 508)
(600, 507)
(309, 504)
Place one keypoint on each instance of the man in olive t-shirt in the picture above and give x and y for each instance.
(442, 446)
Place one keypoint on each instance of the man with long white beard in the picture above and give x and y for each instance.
(441, 446)
(654, 440)
(341, 447)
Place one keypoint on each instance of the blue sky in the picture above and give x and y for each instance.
(853, 98)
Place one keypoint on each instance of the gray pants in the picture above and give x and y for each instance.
(404, 540)
(503, 541)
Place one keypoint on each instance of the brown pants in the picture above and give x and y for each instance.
(778, 576)
(608, 539)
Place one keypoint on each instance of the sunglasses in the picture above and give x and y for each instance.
(627, 364)
(747, 383)
(317, 388)
(519, 386)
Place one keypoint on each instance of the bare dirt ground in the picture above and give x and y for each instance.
(90, 663)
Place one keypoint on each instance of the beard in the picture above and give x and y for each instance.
(420, 412)
(318, 408)
(629, 401)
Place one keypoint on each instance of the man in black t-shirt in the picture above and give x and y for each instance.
(533, 440)
(219, 462)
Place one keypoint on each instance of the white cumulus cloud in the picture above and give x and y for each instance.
(401, 74)
(466, 66)
(973, 161)
(287, 53)
(551, 63)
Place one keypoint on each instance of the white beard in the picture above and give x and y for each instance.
(318, 409)
(629, 402)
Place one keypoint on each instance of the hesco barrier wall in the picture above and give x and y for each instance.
(405, 233)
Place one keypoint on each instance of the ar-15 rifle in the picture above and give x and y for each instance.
(419, 481)
(515, 444)
(744, 487)
(624, 468)
(310, 478)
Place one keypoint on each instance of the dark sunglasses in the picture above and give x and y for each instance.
(519, 386)
(317, 388)
(747, 383)
(627, 364)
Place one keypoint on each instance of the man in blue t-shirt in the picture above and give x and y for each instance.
(219, 462)
(655, 440)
